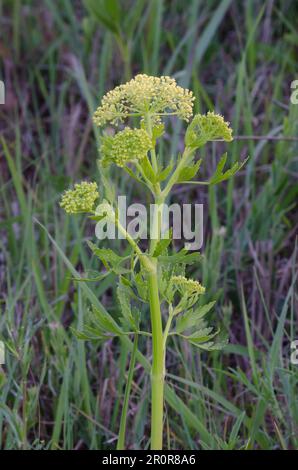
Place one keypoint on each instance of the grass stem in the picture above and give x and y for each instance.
(122, 428)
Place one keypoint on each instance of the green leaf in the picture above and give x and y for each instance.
(123, 294)
(220, 165)
(186, 302)
(219, 176)
(106, 12)
(189, 172)
(182, 257)
(202, 336)
(211, 345)
(148, 170)
(113, 9)
(90, 334)
(132, 174)
(104, 322)
(109, 258)
(164, 173)
(190, 318)
(163, 244)
(141, 285)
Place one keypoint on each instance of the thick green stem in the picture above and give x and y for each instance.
(150, 264)
(157, 371)
(157, 222)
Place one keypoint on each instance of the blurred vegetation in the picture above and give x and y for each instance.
(57, 59)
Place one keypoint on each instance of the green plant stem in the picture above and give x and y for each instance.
(167, 328)
(157, 370)
(152, 151)
(187, 154)
(156, 225)
(122, 428)
(128, 237)
(150, 264)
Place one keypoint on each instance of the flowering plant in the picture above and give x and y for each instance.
(154, 276)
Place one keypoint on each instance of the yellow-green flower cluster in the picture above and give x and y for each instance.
(142, 95)
(126, 146)
(80, 199)
(207, 127)
(187, 286)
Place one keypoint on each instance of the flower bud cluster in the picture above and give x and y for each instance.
(80, 199)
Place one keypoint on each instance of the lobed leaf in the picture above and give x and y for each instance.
(219, 176)
(189, 172)
(191, 317)
(141, 285)
(182, 257)
(123, 294)
(148, 170)
(202, 336)
(109, 258)
(163, 244)
(164, 173)
(104, 321)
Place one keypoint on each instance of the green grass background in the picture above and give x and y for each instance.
(58, 58)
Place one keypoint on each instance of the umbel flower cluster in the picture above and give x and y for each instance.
(80, 199)
(152, 99)
(205, 128)
(144, 94)
(187, 286)
(126, 146)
